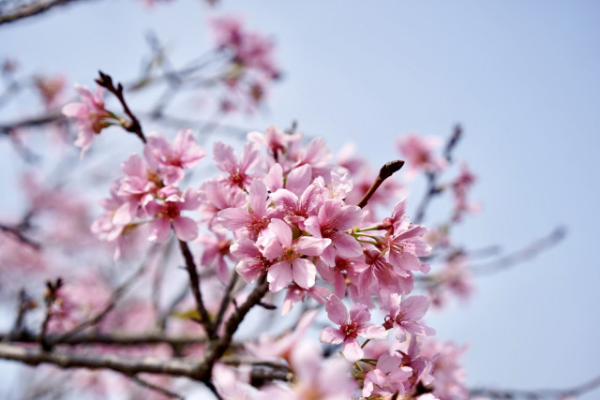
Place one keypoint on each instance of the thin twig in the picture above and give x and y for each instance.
(156, 388)
(196, 290)
(30, 10)
(114, 298)
(432, 187)
(133, 125)
(226, 299)
(385, 172)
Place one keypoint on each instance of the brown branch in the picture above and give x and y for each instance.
(385, 172)
(126, 365)
(131, 366)
(116, 339)
(133, 125)
(226, 299)
(50, 297)
(432, 187)
(30, 10)
(218, 348)
(16, 233)
(522, 255)
(195, 286)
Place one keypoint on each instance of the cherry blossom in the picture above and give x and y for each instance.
(352, 325)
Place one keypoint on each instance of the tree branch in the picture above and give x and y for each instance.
(32, 9)
(195, 286)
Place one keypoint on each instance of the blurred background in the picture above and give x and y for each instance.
(520, 77)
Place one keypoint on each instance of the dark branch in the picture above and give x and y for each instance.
(195, 286)
(30, 10)
(133, 125)
(385, 172)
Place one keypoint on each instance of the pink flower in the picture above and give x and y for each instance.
(170, 161)
(334, 217)
(251, 219)
(216, 251)
(215, 197)
(296, 293)
(315, 378)
(90, 114)
(168, 213)
(406, 246)
(405, 315)
(253, 264)
(418, 153)
(275, 140)
(351, 326)
(380, 274)
(387, 378)
(460, 189)
(448, 372)
(291, 266)
(226, 160)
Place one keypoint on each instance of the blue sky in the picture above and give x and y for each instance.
(522, 78)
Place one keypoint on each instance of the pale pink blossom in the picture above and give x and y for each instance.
(90, 114)
(418, 152)
(315, 378)
(287, 255)
(215, 197)
(333, 219)
(226, 160)
(168, 213)
(449, 374)
(170, 161)
(381, 274)
(252, 220)
(216, 252)
(388, 377)
(253, 264)
(352, 325)
(405, 315)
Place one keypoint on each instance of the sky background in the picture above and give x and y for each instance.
(521, 77)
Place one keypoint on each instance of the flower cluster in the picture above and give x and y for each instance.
(251, 66)
(149, 193)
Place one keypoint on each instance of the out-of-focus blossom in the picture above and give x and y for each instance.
(419, 153)
(90, 114)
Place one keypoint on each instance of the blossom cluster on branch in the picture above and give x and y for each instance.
(316, 250)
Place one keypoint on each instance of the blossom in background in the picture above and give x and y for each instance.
(50, 88)
(90, 114)
(419, 154)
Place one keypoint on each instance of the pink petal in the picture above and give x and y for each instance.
(352, 350)
(279, 276)
(185, 228)
(282, 231)
(159, 229)
(310, 246)
(304, 273)
(336, 310)
(331, 335)
(370, 331)
(346, 245)
(298, 179)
